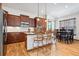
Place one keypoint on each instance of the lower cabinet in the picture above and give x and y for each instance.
(14, 37)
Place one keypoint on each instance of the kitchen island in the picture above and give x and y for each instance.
(30, 44)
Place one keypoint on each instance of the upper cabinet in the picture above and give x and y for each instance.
(24, 18)
(10, 20)
(41, 22)
(35, 21)
(17, 21)
(31, 22)
(13, 20)
(27, 19)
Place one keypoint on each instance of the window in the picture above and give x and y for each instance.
(49, 25)
(69, 24)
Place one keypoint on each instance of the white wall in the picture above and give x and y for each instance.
(17, 12)
(76, 15)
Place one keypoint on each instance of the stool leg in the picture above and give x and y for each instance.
(46, 44)
(33, 46)
(42, 48)
(45, 50)
(50, 45)
(38, 48)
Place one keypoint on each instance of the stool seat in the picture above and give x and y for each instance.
(38, 39)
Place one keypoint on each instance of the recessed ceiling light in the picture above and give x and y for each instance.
(66, 6)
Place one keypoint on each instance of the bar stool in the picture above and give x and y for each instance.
(38, 39)
(48, 38)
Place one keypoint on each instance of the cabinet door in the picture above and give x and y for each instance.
(43, 24)
(15, 37)
(24, 18)
(13, 20)
(35, 22)
(20, 37)
(10, 20)
(17, 20)
(11, 38)
(31, 22)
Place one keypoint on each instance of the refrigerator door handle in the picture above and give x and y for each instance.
(5, 28)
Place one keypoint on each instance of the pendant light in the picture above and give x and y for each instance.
(38, 12)
(38, 18)
(45, 12)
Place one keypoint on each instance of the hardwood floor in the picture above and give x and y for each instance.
(61, 49)
(68, 49)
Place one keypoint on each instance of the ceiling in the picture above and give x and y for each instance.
(54, 10)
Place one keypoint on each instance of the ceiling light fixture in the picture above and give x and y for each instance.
(38, 19)
(45, 20)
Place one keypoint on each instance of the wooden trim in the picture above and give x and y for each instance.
(24, 15)
(13, 15)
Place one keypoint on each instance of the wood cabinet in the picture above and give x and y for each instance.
(10, 20)
(14, 37)
(41, 22)
(20, 37)
(13, 20)
(35, 21)
(43, 25)
(17, 21)
(11, 38)
(31, 22)
(24, 18)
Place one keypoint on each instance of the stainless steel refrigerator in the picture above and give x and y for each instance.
(3, 31)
